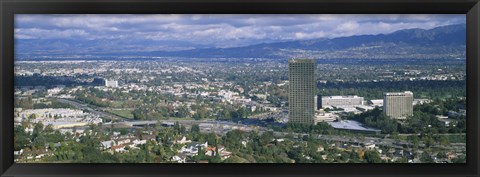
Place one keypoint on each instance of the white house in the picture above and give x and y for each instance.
(179, 158)
(107, 144)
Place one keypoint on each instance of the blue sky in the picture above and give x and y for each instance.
(180, 32)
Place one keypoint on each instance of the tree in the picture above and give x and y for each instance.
(123, 131)
(176, 128)
(372, 157)
(460, 159)
(354, 156)
(215, 159)
(225, 115)
(20, 138)
(425, 158)
(37, 130)
(402, 160)
(242, 112)
(266, 138)
(39, 142)
(182, 112)
(235, 159)
(202, 113)
(25, 103)
(442, 154)
(200, 153)
(232, 139)
(195, 129)
(211, 139)
(91, 155)
(32, 116)
(138, 114)
(48, 129)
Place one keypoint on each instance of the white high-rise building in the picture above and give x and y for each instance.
(398, 105)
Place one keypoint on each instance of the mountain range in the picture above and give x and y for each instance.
(445, 42)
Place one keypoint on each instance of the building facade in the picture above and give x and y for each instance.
(398, 105)
(301, 76)
(341, 101)
(111, 83)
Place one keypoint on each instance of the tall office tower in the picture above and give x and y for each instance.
(301, 95)
(398, 105)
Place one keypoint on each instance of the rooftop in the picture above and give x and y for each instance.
(352, 125)
(399, 93)
(301, 61)
(342, 97)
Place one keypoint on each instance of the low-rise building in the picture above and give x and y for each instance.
(111, 83)
(376, 103)
(180, 158)
(325, 117)
(107, 144)
(350, 100)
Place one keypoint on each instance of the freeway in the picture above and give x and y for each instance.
(218, 124)
(344, 139)
(84, 106)
(443, 134)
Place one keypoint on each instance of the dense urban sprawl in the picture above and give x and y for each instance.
(176, 110)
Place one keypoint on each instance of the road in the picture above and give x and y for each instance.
(332, 138)
(84, 106)
(443, 134)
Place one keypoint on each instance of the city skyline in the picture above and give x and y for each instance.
(182, 112)
(180, 89)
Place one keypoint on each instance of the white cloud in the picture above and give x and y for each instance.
(348, 26)
(50, 34)
(220, 30)
(301, 35)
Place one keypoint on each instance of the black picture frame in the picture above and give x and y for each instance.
(10, 7)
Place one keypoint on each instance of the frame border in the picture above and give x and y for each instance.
(10, 7)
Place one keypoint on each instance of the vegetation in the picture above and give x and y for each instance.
(246, 147)
(424, 119)
(264, 83)
(374, 90)
(122, 113)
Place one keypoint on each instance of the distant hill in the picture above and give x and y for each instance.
(446, 42)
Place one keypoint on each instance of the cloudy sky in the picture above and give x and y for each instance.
(177, 32)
